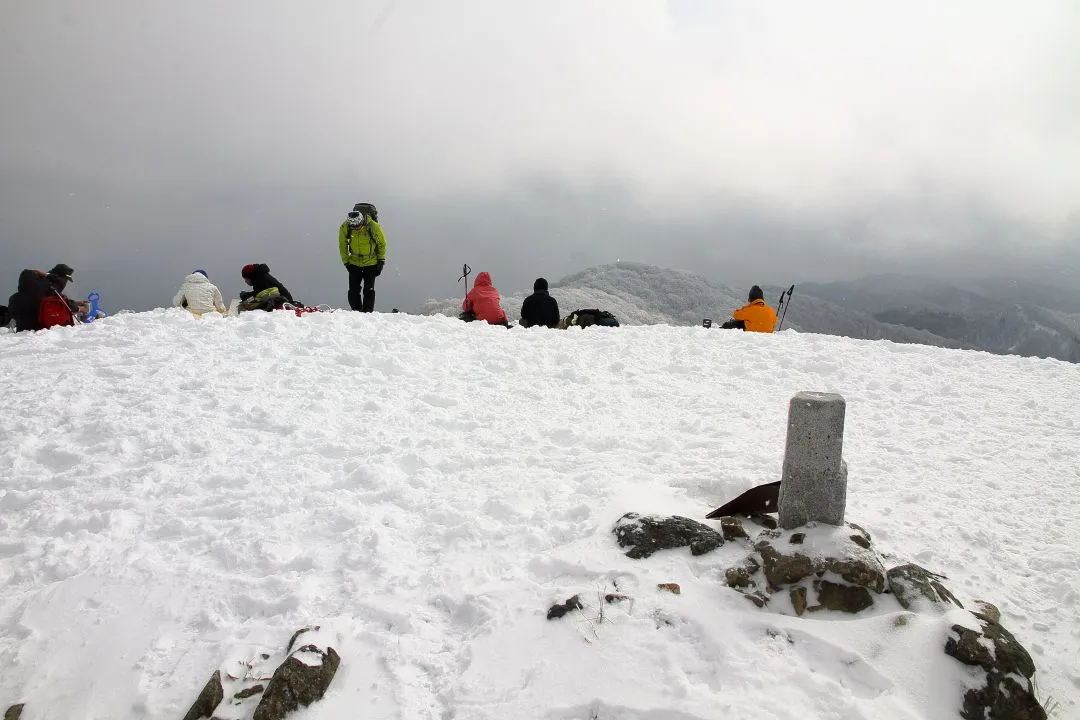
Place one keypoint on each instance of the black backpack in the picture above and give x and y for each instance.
(585, 318)
(368, 210)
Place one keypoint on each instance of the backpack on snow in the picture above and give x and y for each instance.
(585, 318)
(53, 311)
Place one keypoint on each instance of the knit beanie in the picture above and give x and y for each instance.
(540, 284)
(756, 294)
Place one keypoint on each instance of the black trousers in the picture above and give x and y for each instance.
(362, 277)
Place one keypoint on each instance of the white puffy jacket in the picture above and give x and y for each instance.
(201, 295)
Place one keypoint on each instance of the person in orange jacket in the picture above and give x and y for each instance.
(755, 316)
(482, 302)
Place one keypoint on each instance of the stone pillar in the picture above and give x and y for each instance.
(814, 483)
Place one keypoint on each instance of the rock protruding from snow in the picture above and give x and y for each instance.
(1008, 692)
(14, 712)
(916, 589)
(302, 679)
(211, 696)
(819, 567)
(644, 535)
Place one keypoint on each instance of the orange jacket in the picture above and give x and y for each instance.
(758, 316)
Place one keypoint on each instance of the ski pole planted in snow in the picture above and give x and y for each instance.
(781, 305)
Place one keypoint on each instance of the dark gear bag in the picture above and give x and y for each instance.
(368, 210)
(585, 318)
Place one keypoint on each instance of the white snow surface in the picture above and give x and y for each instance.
(180, 495)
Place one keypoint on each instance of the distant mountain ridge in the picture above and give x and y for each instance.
(888, 307)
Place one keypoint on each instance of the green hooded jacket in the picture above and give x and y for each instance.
(363, 246)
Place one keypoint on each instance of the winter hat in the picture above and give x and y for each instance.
(63, 271)
(540, 284)
(247, 271)
(756, 294)
(201, 272)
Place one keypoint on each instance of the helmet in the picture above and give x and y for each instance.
(356, 219)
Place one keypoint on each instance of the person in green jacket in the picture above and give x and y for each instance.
(363, 252)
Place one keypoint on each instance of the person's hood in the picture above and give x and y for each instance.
(483, 279)
(196, 278)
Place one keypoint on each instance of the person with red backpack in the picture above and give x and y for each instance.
(40, 302)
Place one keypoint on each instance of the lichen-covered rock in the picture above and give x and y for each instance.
(738, 578)
(644, 535)
(915, 586)
(864, 570)
(798, 600)
(672, 588)
(301, 680)
(841, 598)
(1008, 693)
(732, 528)
(210, 697)
(988, 610)
(781, 569)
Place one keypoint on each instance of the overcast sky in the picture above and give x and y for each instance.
(750, 142)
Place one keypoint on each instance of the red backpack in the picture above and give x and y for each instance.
(54, 311)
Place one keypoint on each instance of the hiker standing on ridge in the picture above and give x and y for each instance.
(755, 316)
(540, 308)
(198, 295)
(363, 253)
(482, 302)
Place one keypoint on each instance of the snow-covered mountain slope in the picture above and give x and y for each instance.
(182, 494)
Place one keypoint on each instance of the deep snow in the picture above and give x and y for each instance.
(182, 494)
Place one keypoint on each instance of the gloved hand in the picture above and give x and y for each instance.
(378, 267)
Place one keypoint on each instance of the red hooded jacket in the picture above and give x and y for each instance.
(483, 300)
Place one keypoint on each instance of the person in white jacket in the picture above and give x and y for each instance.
(198, 295)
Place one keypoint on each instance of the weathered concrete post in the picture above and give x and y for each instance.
(814, 483)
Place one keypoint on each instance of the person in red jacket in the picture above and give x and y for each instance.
(482, 302)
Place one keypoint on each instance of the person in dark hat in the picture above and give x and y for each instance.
(362, 246)
(34, 287)
(267, 292)
(755, 316)
(540, 308)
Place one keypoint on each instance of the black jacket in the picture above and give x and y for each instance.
(261, 279)
(34, 286)
(540, 309)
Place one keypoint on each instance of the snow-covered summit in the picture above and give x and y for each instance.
(181, 495)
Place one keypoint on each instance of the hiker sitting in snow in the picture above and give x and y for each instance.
(482, 302)
(266, 292)
(34, 287)
(540, 308)
(198, 295)
(755, 316)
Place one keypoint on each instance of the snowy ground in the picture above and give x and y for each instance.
(181, 494)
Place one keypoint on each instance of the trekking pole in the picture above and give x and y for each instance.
(465, 270)
(789, 291)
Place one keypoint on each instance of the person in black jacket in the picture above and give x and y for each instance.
(266, 291)
(540, 308)
(35, 286)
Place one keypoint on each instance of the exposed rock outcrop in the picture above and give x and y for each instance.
(646, 534)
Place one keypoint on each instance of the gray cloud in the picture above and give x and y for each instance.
(788, 141)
